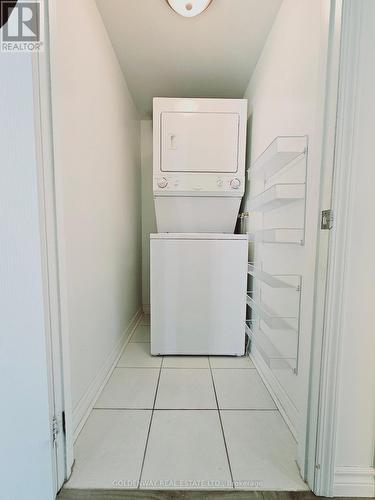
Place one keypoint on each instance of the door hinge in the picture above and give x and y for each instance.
(55, 430)
(327, 219)
(63, 422)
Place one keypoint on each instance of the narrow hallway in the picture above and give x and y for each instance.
(177, 423)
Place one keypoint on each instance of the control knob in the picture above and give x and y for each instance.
(235, 183)
(162, 183)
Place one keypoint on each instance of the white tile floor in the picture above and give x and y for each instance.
(184, 423)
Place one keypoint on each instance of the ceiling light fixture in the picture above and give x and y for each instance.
(189, 8)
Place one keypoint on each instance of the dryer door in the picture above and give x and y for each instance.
(199, 142)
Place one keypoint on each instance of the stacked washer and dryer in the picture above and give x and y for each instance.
(198, 264)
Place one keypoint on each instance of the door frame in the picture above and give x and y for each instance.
(325, 376)
(57, 336)
(321, 408)
(318, 364)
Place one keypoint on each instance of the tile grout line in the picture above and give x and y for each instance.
(221, 425)
(149, 427)
(234, 368)
(164, 409)
(139, 367)
(114, 408)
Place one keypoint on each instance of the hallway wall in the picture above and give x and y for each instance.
(284, 96)
(97, 145)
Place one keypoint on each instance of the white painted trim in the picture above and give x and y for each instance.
(342, 201)
(283, 402)
(49, 270)
(334, 14)
(60, 244)
(354, 482)
(56, 341)
(82, 411)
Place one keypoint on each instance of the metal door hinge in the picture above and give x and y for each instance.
(63, 422)
(327, 219)
(55, 429)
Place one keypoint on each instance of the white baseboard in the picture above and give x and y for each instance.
(354, 482)
(146, 308)
(87, 402)
(283, 402)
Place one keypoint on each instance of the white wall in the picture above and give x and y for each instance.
(148, 208)
(25, 429)
(284, 96)
(355, 429)
(97, 146)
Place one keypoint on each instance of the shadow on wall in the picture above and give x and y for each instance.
(245, 199)
(148, 208)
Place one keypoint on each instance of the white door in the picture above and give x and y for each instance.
(199, 142)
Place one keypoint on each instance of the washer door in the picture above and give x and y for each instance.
(199, 142)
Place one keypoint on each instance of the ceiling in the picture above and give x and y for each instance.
(165, 55)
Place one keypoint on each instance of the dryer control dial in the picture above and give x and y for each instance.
(162, 183)
(235, 183)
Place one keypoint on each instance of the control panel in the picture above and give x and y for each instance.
(207, 183)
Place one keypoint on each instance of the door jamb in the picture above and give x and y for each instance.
(54, 276)
(334, 11)
(332, 339)
(327, 338)
(320, 433)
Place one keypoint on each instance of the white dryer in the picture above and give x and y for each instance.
(198, 163)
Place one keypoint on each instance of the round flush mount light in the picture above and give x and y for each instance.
(189, 8)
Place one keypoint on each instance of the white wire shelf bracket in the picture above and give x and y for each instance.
(270, 318)
(277, 196)
(291, 236)
(281, 152)
(270, 354)
(275, 281)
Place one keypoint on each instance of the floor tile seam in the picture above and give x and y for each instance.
(150, 424)
(221, 426)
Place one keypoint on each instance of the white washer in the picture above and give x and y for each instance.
(198, 293)
(198, 163)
